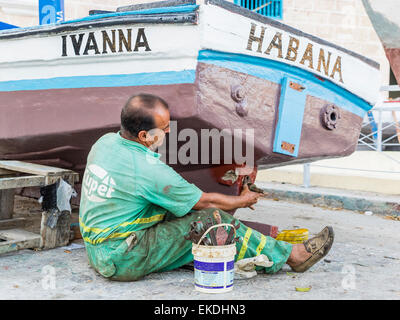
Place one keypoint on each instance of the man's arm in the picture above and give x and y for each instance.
(221, 201)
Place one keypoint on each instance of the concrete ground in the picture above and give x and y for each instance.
(364, 263)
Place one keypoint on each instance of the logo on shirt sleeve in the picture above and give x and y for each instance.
(97, 184)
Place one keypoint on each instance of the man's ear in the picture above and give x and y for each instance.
(142, 135)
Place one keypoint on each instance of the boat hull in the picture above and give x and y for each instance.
(393, 55)
(384, 16)
(62, 134)
(280, 95)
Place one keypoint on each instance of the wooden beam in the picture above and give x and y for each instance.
(52, 174)
(16, 239)
(6, 203)
(4, 172)
(12, 223)
(22, 182)
(31, 168)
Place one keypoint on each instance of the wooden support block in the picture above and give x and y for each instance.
(6, 203)
(12, 223)
(45, 175)
(16, 239)
(55, 226)
(59, 235)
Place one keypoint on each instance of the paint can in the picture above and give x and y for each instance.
(214, 265)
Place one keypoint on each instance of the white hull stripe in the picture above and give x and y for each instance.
(120, 80)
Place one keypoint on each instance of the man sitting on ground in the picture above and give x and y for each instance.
(135, 209)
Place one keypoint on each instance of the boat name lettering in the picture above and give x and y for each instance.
(306, 58)
(105, 42)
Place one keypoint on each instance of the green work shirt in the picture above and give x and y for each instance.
(126, 187)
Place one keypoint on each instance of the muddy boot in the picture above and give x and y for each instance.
(318, 246)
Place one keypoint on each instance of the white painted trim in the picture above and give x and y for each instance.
(114, 65)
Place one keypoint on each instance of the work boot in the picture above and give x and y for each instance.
(318, 246)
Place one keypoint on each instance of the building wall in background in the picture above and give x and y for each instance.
(343, 22)
(19, 12)
(24, 13)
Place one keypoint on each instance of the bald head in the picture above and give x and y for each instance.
(139, 112)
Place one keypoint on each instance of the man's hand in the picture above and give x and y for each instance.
(249, 197)
(246, 199)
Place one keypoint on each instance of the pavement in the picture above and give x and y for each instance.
(364, 263)
(368, 171)
(336, 199)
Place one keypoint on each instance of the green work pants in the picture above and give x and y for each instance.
(163, 247)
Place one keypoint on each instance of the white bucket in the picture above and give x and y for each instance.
(214, 266)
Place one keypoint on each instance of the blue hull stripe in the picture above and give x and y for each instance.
(276, 71)
(120, 80)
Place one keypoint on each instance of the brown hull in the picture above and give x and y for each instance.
(43, 128)
(393, 56)
(217, 108)
(39, 128)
